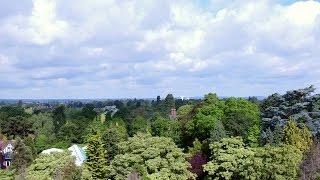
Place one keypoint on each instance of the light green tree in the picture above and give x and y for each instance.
(54, 166)
(232, 160)
(300, 138)
(184, 110)
(152, 157)
(96, 162)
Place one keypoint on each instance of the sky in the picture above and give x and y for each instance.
(145, 48)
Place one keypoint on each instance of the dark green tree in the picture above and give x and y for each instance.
(17, 126)
(206, 115)
(218, 132)
(140, 124)
(70, 132)
(115, 133)
(59, 118)
(167, 105)
(88, 111)
(167, 128)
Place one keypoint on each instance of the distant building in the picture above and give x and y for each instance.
(173, 114)
(112, 110)
(6, 152)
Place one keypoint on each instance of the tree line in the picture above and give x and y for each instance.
(213, 138)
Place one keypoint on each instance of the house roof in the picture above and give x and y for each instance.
(4, 144)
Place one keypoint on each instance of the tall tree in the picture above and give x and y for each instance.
(29, 142)
(115, 133)
(242, 118)
(96, 162)
(205, 118)
(168, 104)
(22, 157)
(59, 118)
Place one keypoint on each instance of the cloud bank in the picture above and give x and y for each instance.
(111, 49)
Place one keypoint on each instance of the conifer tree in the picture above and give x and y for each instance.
(22, 157)
(278, 135)
(96, 161)
(300, 138)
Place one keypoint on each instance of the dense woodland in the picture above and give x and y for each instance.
(212, 138)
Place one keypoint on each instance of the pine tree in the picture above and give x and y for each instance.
(269, 136)
(96, 161)
(218, 132)
(278, 135)
(59, 118)
(22, 157)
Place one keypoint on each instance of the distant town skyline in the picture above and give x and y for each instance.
(124, 49)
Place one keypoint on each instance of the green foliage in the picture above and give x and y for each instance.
(218, 132)
(152, 157)
(88, 111)
(196, 148)
(29, 142)
(6, 175)
(184, 110)
(93, 128)
(42, 124)
(96, 162)
(167, 128)
(275, 163)
(59, 118)
(300, 138)
(17, 126)
(53, 166)
(71, 132)
(168, 104)
(204, 121)
(113, 135)
(13, 111)
(274, 137)
(230, 157)
(242, 118)
(41, 143)
(140, 124)
(43, 130)
(233, 160)
(22, 157)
